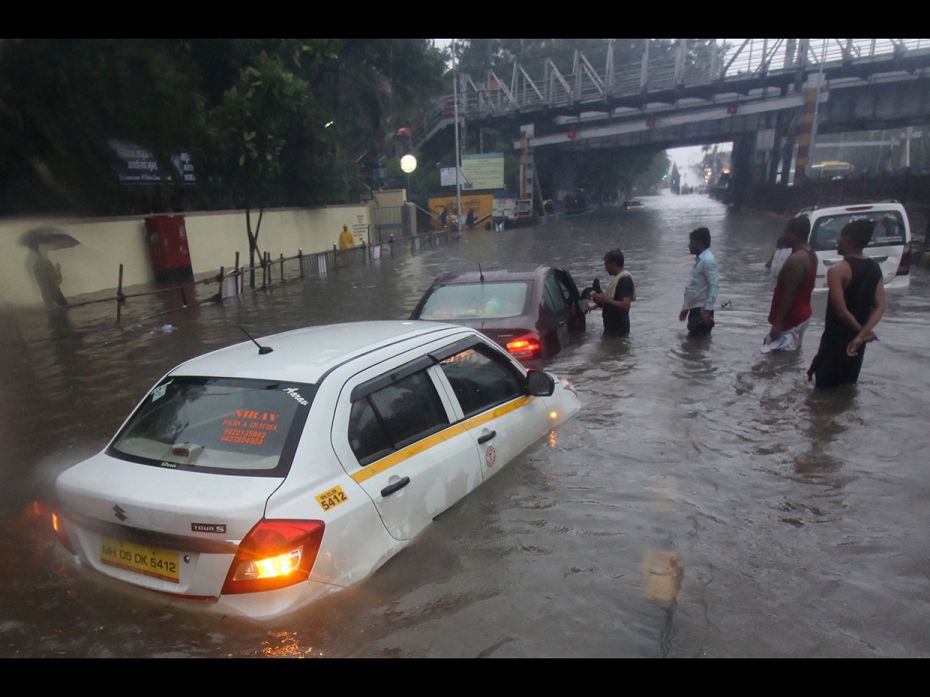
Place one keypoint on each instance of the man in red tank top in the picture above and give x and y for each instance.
(791, 302)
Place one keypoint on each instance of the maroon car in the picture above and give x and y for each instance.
(530, 310)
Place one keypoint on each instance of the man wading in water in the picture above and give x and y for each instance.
(620, 294)
(703, 285)
(857, 303)
(791, 302)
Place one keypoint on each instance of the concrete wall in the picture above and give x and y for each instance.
(213, 238)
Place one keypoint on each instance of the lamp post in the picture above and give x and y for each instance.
(408, 163)
(458, 155)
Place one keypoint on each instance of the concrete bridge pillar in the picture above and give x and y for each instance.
(807, 126)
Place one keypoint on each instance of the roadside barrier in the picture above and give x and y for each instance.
(230, 284)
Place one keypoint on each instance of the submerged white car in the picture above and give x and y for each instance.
(261, 480)
(890, 245)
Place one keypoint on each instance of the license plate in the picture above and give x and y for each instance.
(151, 561)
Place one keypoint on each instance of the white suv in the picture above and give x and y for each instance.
(890, 245)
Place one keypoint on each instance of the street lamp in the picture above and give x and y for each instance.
(408, 163)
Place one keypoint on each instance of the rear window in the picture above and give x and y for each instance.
(218, 425)
(477, 301)
(889, 229)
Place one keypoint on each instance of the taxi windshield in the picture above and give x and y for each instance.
(464, 301)
(221, 425)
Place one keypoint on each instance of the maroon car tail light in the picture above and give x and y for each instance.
(59, 528)
(525, 347)
(275, 554)
(904, 268)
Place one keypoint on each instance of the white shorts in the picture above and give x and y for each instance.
(790, 339)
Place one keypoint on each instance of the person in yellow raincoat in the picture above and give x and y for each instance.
(346, 240)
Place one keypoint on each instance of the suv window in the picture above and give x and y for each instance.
(217, 425)
(395, 416)
(480, 380)
(889, 229)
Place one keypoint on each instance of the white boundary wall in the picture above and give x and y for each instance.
(213, 238)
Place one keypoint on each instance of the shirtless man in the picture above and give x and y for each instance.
(791, 302)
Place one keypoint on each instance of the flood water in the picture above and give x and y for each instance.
(704, 502)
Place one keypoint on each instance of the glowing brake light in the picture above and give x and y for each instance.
(63, 537)
(525, 347)
(275, 554)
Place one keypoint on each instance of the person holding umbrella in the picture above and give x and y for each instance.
(47, 274)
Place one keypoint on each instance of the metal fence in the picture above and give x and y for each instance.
(235, 280)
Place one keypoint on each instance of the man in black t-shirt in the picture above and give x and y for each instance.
(619, 296)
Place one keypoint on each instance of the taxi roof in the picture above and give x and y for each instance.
(306, 355)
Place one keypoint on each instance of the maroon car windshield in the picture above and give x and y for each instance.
(470, 301)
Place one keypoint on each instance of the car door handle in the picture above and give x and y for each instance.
(486, 437)
(396, 486)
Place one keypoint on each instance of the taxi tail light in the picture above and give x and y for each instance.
(58, 527)
(904, 268)
(275, 554)
(525, 347)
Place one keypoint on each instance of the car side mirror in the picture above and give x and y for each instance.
(539, 384)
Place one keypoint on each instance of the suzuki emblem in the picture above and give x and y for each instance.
(119, 513)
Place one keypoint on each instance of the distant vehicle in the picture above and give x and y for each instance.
(635, 203)
(890, 245)
(256, 483)
(530, 310)
(831, 169)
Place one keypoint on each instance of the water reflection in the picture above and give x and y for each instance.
(701, 456)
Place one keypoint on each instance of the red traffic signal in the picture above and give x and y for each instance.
(571, 135)
(650, 121)
(731, 109)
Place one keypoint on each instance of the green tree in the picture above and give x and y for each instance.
(245, 134)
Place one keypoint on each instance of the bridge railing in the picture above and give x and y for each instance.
(688, 65)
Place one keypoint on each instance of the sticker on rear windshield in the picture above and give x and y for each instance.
(332, 498)
(249, 427)
(292, 391)
(159, 391)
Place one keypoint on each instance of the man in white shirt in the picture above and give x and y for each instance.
(703, 285)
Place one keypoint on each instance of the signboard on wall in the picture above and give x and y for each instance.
(485, 171)
(139, 166)
(447, 177)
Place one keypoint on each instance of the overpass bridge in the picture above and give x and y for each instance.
(765, 95)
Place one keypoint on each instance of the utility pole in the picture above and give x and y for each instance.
(458, 155)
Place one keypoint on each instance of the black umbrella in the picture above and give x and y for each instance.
(50, 237)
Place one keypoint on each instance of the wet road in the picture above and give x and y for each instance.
(703, 503)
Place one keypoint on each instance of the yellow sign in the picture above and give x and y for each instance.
(332, 498)
(481, 206)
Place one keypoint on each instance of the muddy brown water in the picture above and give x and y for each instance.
(704, 502)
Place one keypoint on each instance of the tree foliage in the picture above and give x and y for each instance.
(63, 101)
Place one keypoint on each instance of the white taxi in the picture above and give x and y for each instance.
(257, 480)
(890, 245)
